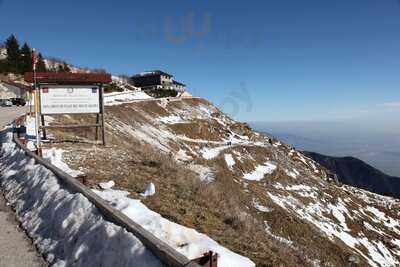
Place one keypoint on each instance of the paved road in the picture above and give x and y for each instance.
(7, 114)
(16, 250)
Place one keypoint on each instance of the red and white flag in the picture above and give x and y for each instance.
(34, 59)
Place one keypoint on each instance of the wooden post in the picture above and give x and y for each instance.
(97, 127)
(209, 259)
(103, 129)
(43, 128)
(30, 102)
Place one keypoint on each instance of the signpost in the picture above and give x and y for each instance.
(37, 111)
(68, 93)
(69, 100)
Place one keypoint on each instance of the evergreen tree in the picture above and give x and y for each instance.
(3, 66)
(40, 64)
(66, 67)
(26, 59)
(13, 54)
(60, 68)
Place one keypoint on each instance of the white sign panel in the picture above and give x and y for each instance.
(69, 100)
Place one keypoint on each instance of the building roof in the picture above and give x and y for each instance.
(68, 78)
(151, 73)
(178, 83)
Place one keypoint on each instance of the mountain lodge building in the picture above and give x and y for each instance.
(156, 80)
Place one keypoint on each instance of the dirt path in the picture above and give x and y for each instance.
(15, 247)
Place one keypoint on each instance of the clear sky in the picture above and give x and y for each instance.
(258, 60)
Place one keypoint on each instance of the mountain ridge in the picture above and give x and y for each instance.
(355, 172)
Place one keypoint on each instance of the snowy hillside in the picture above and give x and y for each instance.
(252, 194)
(55, 64)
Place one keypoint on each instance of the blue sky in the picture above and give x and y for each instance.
(258, 60)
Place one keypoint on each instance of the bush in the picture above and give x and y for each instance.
(109, 88)
(159, 93)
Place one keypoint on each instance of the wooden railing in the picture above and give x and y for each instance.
(167, 255)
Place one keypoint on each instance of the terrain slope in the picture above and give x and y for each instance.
(251, 193)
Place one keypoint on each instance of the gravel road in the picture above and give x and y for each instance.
(16, 249)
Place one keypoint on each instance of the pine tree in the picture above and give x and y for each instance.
(40, 64)
(66, 67)
(13, 55)
(3, 66)
(26, 59)
(60, 68)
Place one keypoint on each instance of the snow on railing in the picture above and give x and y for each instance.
(160, 249)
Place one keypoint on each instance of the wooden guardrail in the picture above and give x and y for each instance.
(166, 254)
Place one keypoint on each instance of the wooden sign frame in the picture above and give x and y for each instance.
(100, 119)
(68, 79)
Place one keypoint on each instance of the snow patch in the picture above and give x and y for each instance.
(118, 98)
(292, 173)
(107, 185)
(205, 173)
(181, 155)
(185, 240)
(172, 119)
(316, 213)
(150, 191)
(54, 155)
(260, 207)
(260, 171)
(211, 153)
(229, 161)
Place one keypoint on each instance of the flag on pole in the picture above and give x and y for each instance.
(34, 59)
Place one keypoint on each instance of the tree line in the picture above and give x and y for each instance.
(19, 59)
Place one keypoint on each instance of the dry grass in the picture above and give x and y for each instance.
(221, 209)
(215, 209)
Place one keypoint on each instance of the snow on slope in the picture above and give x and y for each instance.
(159, 134)
(260, 171)
(286, 191)
(119, 98)
(305, 192)
(229, 160)
(55, 157)
(185, 240)
(318, 212)
(65, 227)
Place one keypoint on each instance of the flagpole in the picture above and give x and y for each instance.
(36, 99)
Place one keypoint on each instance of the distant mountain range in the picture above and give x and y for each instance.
(375, 142)
(355, 172)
